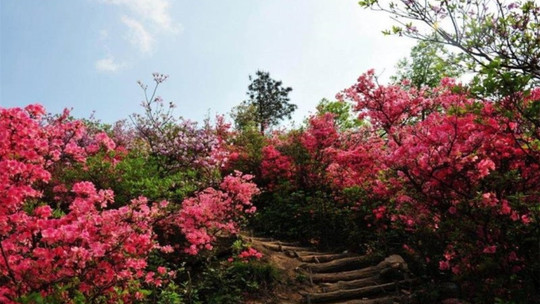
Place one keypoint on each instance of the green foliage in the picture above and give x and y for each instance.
(495, 82)
(247, 145)
(231, 283)
(134, 175)
(301, 277)
(32, 298)
(344, 117)
(170, 294)
(429, 63)
(211, 278)
(499, 39)
(268, 101)
(139, 175)
(243, 116)
(282, 215)
(310, 216)
(61, 293)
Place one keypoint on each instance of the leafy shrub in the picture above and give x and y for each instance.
(74, 243)
(236, 281)
(448, 179)
(460, 177)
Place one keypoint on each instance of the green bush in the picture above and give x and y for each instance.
(231, 283)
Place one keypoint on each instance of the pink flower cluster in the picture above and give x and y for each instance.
(89, 248)
(250, 253)
(214, 212)
(275, 164)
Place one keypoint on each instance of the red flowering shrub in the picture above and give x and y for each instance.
(275, 165)
(300, 202)
(79, 245)
(244, 152)
(91, 250)
(459, 175)
(301, 156)
(452, 179)
(213, 212)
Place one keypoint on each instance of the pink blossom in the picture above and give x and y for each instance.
(444, 265)
(250, 253)
(490, 249)
(484, 166)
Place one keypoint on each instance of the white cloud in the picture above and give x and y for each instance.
(155, 12)
(138, 35)
(145, 20)
(108, 64)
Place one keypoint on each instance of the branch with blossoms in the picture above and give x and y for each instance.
(156, 116)
(177, 144)
(498, 36)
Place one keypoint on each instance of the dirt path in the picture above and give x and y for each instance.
(311, 276)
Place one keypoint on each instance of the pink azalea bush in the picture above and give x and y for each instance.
(463, 172)
(89, 249)
(214, 212)
(452, 178)
(81, 245)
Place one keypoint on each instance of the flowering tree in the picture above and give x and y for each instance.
(499, 38)
(177, 144)
(488, 31)
(450, 178)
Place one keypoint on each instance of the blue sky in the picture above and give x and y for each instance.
(89, 54)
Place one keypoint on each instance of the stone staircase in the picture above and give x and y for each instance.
(340, 278)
